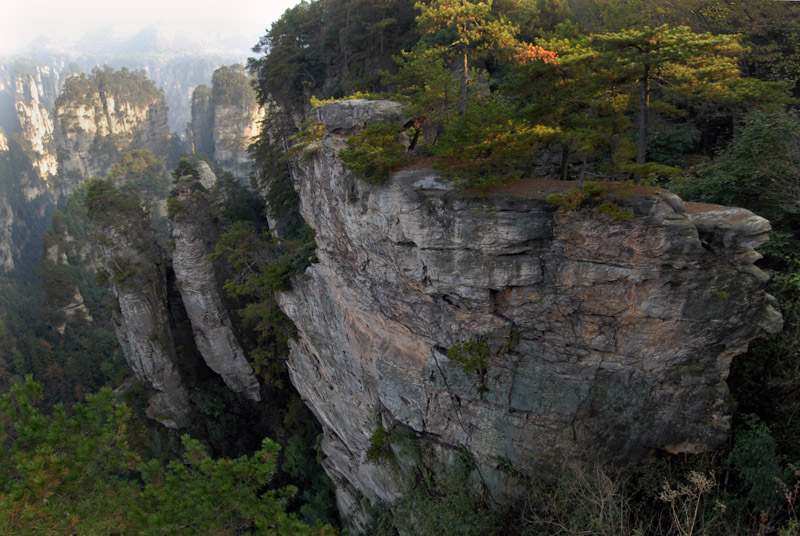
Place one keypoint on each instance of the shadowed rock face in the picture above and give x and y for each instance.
(194, 234)
(133, 263)
(609, 337)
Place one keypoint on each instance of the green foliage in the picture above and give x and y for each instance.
(186, 166)
(488, 144)
(122, 85)
(616, 212)
(593, 194)
(144, 171)
(742, 176)
(758, 467)
(574, 198)
(375, 152)
(313, 101)
(74, 473)
(446, 505)
(330, 48)
(230, 86)
(307, 139)
(262, 267)
(471, 31)
(379, 448)
(470, 356)
(109, 205)
(272, 170)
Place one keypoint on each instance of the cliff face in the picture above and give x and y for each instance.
(194, 235)
(201, 129)
(35, 122)
(591, 335)
(165, 324)
(136, 270)
(225, 121)
(93, 127)
(235, 128)
(6, 234)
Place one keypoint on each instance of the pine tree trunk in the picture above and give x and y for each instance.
(641, 154)
(464, 74)
(562, 174)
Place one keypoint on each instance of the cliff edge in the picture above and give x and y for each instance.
(568, 332)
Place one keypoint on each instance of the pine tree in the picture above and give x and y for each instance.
(675, 60)
(476, 32)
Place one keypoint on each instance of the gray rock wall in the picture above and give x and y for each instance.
(135, 269)
(194, 235)
(606, 337)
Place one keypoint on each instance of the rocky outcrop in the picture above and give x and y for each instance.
(226, 120)
(135, 269)
(200, 132)
(590, 335)
(235, 128)
(6, 236)
(99, 117)
(36, 124)
(194, 235)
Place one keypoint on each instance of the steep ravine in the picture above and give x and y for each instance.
(606, 337)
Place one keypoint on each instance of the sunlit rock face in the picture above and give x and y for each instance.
(235, 128)
(226, 119)
(92, 131)
(609, 338)
(36, 124)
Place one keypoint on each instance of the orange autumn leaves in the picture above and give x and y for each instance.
(529, 53)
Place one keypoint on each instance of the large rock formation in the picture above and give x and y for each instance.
(36, 123)
(99, 117)
(165, 324)
(136, 271)
(194, 235)
(6, 236)
(225, 121)
(590, 335)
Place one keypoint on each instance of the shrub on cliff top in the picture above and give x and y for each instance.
(375, 152)
(105, 203)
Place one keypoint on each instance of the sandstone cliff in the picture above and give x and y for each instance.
(601, 336)
(99, 117)
(194, 235)
(136, 272)
(36, 124)
(225, 121)
(168, 305)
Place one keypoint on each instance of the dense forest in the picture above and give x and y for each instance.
(695, 96)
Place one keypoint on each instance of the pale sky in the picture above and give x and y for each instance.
(61, 23)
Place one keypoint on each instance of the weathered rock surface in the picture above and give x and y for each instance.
(90, 134)
(235, 128)
(226, 120)
(200, 131)
(606, 337)
(134, 265)
(36, 125)
(194, 235)
(6, 236)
